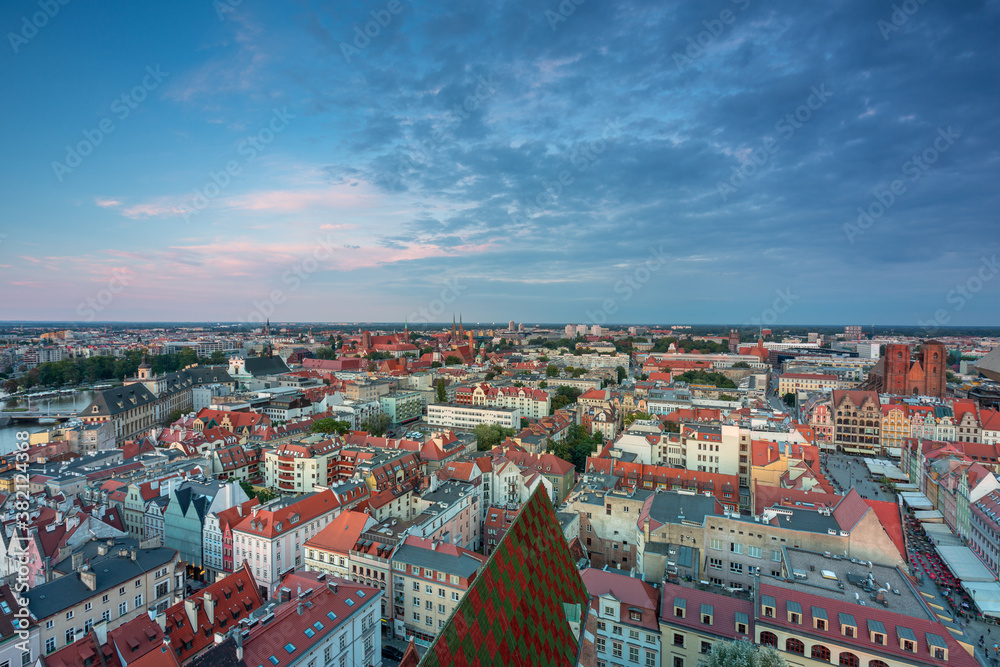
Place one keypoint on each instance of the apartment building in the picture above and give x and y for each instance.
(429, 579)
(531, 403)
(270, 539)
(402, 407)
(469, 417)
(330, 549)
(111, 580)
(692, 620)
(793, 383)
(217, 538)
(296, 467)
(857, 416)
(623, 618)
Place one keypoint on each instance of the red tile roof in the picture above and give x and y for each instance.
(266, 521)
(888, 516)
(631, 592)
(724, 611)
(233, 599)
(850, 510)
(342, 533)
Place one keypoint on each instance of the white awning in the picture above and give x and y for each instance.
(917, 501)
(985, 595)
(965, 565)
(931, 516)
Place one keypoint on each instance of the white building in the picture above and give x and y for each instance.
(470, 416)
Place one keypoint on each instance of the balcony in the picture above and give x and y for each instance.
(286, 485)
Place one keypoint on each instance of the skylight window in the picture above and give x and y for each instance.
(318, 626)
(310, 633)
(290, 647)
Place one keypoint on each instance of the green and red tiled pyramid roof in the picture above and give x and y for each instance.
(516, 611)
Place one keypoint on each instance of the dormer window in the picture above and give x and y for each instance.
(876, 632)
(680, 607)
(907, 639)
(767, 606)
(794, 610)
(848, 626)
(742, 623)
(937, 646)
(707, 613)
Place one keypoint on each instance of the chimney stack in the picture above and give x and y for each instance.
(299, 608)
(191, 609)
(209, 607)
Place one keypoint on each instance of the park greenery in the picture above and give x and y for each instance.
(329, 425)
(576, 446)
(741, 653)
(489, 436)
(706, 377)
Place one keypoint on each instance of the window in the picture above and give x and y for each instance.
(705, 647)
(616, 649)
(162, 589)
(88, 606)
(616, 630)
(715, 563)
(634, 634)
(848, 659)
(877, 663)
(121, 591)
(651, 659)
(736, 548)
(768, 639)
(138, 600)
(795, 646)
(821, 653)
(776, 556)
(715, 543)
(70, 635)
(104, 599)
(122, 608)
(602, 645)
(678, 640)
(633, 654)
(50, 643)
(736, 568)
(754, 552)
(138, 583)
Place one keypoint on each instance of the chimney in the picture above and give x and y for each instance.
(191, 609)
(166, 642)
(133, 553)
(161, 620)
(209, 607)
(77, 560)
(101, 630)
(299, 608)
(89, 579)
(239, 646)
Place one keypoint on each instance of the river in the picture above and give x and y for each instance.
(8, 434)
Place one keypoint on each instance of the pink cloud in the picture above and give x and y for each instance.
(108, 203)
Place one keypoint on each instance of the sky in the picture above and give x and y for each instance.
(723, 161)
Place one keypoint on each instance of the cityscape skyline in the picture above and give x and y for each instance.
(662, 161)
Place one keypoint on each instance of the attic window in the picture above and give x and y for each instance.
(794, 610)
(680, 606)
(767, 606)
(707, 612)
(848, 626)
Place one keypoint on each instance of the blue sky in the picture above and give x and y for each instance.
(663, 162)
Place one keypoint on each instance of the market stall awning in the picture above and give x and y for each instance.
(931, 516)
(917, 501)
(964, 564)
(985, 595)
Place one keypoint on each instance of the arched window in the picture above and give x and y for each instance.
(820, 652)
(849, 660)
(877, 663)
(768, 639)
(793, 645)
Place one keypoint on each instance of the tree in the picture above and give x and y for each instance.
(742, 653)
(525, 422)
(789, 399)
(950, 377)
(217, 358)
(435, 364)
(329, 425)
(452, 360)
(377, 425)
(564, 396)
(261, 494)
(489, 436)
(741, 364)
(622, 373)
(326, 353)
(174, 416)
(576, 446)
(543, 384)
(442, 392)
(631, 418)
(705, 377)
(551, 371)
(490, 375)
